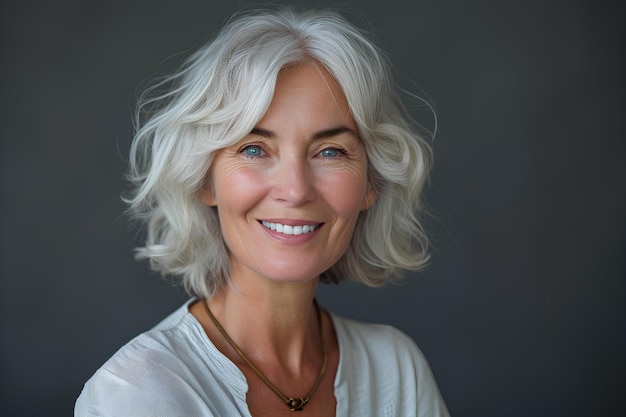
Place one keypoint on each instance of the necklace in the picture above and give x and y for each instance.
(294, 404)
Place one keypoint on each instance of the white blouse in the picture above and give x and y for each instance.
(175, 370)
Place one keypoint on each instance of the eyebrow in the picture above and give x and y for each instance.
(321, 134)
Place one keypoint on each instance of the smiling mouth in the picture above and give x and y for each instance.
(290, 230)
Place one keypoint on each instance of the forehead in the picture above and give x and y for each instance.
(308, 94)
(310, 74)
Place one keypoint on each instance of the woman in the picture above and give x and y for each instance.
(280, 157)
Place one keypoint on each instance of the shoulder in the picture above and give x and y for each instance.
(154, 352)
(156, 371)
(387, 363)
(368, 338)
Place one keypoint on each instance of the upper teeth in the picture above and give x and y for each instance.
(289, 230)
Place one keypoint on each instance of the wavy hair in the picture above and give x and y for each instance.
(217, 97)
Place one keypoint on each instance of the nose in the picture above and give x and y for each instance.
(293, 181)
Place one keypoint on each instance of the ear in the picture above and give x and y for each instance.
(207, 196)
(369, 199)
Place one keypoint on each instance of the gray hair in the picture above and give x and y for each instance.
(219, 95)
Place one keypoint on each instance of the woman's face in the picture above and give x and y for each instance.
(289, 193)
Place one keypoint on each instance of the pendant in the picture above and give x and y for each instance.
(297, 405)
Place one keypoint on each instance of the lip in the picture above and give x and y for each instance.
(291, 239)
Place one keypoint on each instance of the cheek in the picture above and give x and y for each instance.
(344, 191)
(236, 189)
(237, 192)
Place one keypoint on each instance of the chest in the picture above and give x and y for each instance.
(262, 401)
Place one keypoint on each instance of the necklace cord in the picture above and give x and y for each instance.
(294, 404)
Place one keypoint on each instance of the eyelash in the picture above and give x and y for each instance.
(340, 151)
(244, 148)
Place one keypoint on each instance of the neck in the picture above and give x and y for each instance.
(270, 321)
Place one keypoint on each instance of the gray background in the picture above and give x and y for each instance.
(522, 311)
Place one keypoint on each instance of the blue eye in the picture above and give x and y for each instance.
(331, 153)
(252, 151)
